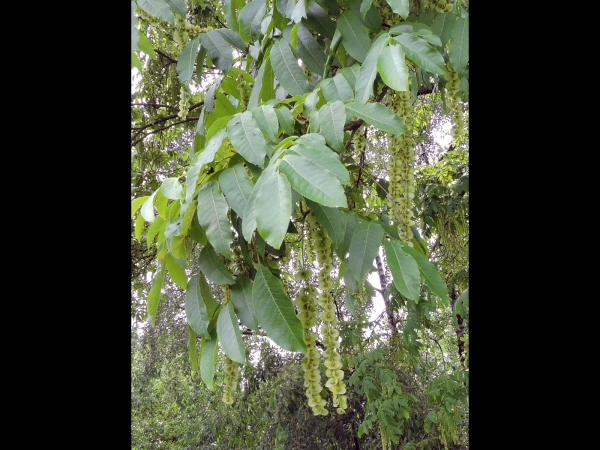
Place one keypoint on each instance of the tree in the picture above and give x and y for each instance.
(283, 154)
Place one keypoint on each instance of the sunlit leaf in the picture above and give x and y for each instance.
(154, 296)
(139, 227)
(137, 202)
(172, 189)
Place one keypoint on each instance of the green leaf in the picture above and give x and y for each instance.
(193, 356)
(197, 233)
(275, 311)
(153, 229)
(187, 215)
(318, 19)
(367, 13)
(229, 334)
(241, 297)
(378, 115)
(313, 181)
(400, 7)
(364, 247)
(208, 360)
(298, 12)
(267, 121)
(218, 49)
(176, 272)
(224, 105)
(368, 71)
(137, 202)
(146, 45)
(196, 309)
(331, 219)
(157, 8)
(287, 71)
(273, 208)
(442, 26)
(237, 187)
(392, 67)
(404, 268)
(213, 268)
(249, 217)
(160, 201)
(147, 210)
(233, 38)
(187, 58)
(200, 58)
(432, 277)
(246, 137)
(139, 227)
(336, 88)
(421, 53)
(178, 6)
(231, 11)
(286, 120)
(309, 51)
(350, 222)
(459, 45)
(320, 155)
(250, 18)
(355, 39)
(172, 189)
(154, 296)
(332, 118)
(135, 33)
(135, 61)
(212, 216)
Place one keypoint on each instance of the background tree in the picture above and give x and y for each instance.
(286, 172)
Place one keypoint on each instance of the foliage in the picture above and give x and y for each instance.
(283, 160)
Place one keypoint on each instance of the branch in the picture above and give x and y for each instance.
(386, 300)
(191, 119)
(166, 56)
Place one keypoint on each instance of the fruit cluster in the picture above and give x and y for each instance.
(402, 157)
(454, 108)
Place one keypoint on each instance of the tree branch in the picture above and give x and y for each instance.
(386, 300)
